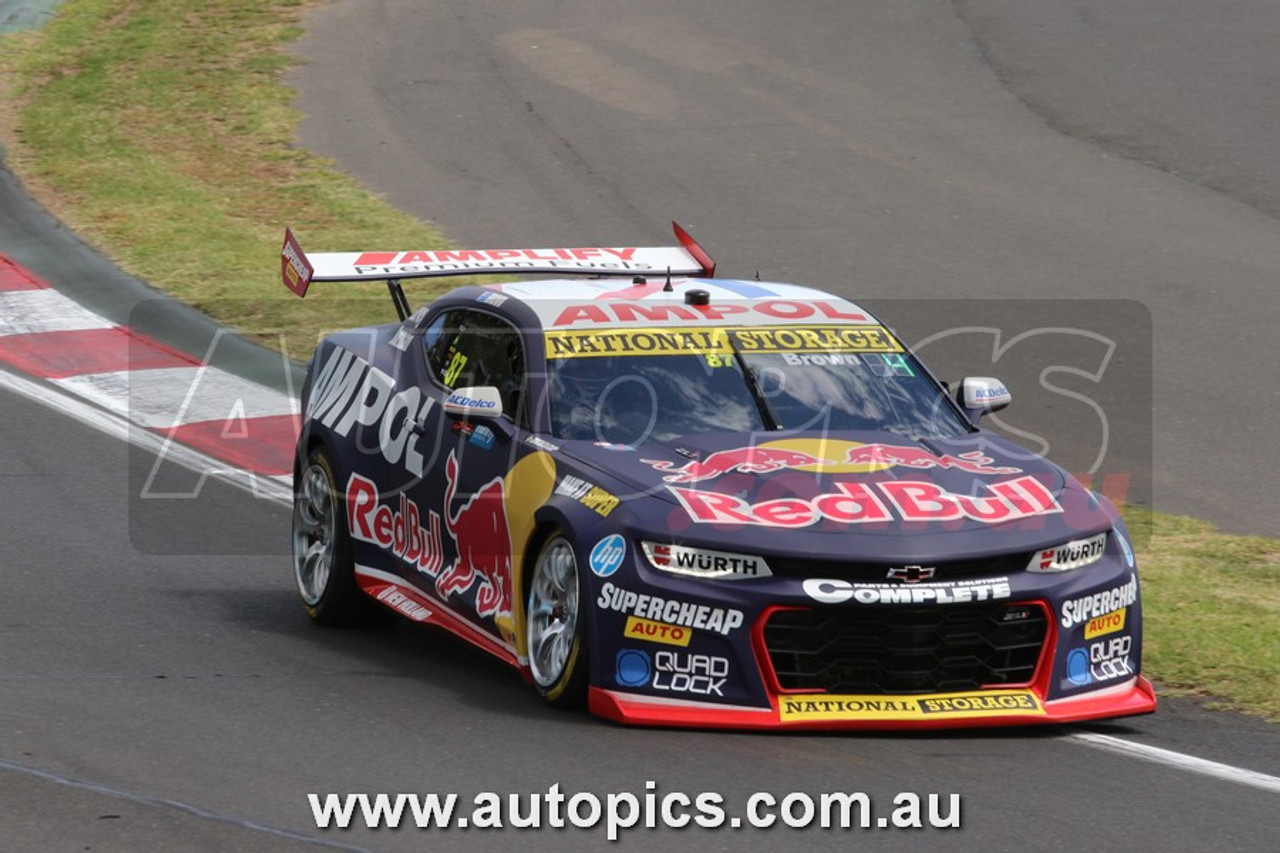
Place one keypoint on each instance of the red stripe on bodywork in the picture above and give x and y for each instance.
(54, 355)
(16, 277)
(262, 445)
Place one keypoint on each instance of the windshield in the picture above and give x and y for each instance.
(676, 382)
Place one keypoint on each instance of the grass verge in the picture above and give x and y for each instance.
(161, 131)
(1212, 613)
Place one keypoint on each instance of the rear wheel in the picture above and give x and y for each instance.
(554, 627)
(322, 561)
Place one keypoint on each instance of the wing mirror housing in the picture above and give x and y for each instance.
(982, 395)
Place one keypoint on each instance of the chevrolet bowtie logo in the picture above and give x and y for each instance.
(911, 574)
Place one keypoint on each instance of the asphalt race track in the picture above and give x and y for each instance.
(915, 150)
(160, 687)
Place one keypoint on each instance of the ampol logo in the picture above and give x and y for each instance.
(608, 555)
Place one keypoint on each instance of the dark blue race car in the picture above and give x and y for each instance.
(687, 500)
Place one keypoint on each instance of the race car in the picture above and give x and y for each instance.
(688, 500)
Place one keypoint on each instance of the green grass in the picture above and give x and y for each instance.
(162, 132)
(1212, 613)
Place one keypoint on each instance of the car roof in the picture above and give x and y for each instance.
(658, 301)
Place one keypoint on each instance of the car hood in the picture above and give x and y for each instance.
(911, 499)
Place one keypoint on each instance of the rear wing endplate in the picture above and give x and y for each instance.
(299, 269)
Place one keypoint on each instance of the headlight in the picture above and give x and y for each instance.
(1068, 556)
(702, 563)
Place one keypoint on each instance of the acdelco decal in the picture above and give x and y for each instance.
(816, 339)
(398, 530)
(586, 344)
(856, 503)
(837, 591)
(1077, 610)
(655, 608)
(347, 390)
(620, 311)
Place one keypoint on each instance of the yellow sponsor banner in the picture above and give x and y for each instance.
(1107, 623)
(816, 339)
(657, 632)
(983, 703)
(595, 343)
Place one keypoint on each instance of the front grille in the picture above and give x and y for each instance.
(892, 650)
(878, 572)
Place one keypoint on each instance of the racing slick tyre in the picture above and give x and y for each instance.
(322, 562)
(555, 629)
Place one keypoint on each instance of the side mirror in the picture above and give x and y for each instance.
(484, 402)
(982, 395)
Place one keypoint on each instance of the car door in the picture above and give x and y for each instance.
(465, 348)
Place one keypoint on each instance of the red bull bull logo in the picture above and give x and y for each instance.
(483, 545)
(851, 457)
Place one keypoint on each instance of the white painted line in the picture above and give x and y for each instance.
(26, 311)
(278, 489)
(1189, 763)
(166, 397)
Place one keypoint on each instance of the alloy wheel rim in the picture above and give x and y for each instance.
(313, 535)
(553, 613)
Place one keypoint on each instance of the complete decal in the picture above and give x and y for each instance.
(837, 591)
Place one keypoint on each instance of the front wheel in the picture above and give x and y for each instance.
(554, 627)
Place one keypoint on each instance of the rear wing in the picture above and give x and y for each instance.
(299, 269)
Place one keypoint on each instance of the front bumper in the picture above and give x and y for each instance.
(975, 709)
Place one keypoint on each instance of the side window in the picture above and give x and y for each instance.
(472, 348)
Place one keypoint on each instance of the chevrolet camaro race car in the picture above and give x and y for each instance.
(694, 501)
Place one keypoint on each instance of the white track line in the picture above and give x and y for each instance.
(1188, 763)
(277, 489)
(44, 310)
(160, 398)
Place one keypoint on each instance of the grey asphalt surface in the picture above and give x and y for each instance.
(921, 149)
(184, 702)
(175, 698)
